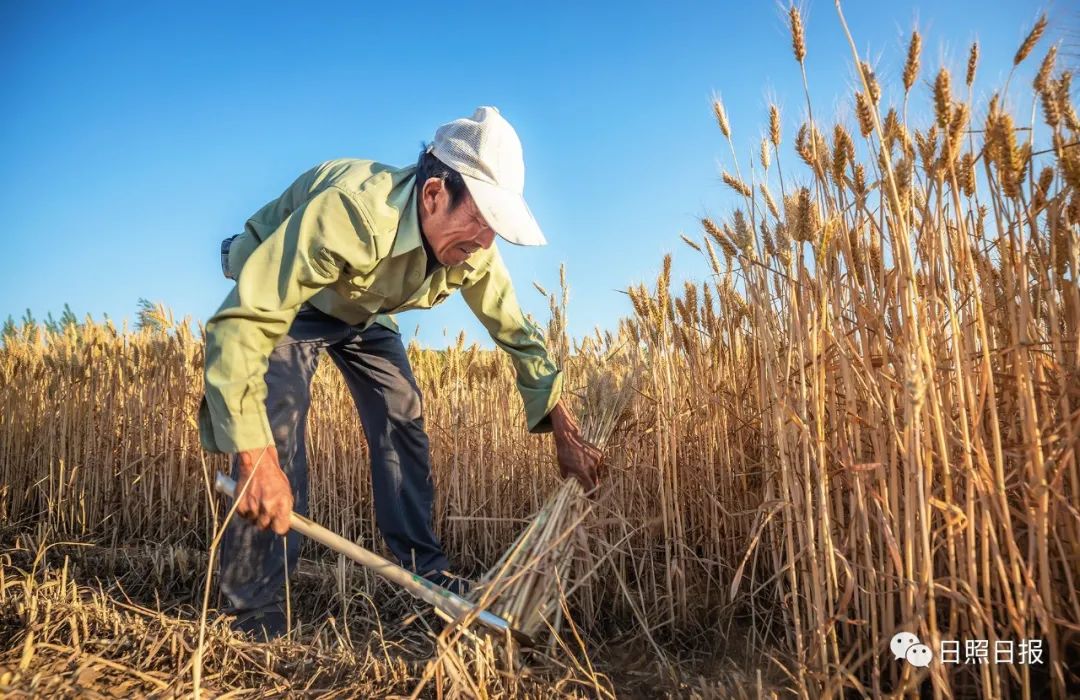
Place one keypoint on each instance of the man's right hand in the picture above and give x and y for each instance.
(268, 499)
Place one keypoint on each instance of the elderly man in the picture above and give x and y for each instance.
(318, 269)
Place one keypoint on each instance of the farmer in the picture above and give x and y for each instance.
(318, 269)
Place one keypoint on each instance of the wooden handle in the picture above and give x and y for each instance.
(435, 595)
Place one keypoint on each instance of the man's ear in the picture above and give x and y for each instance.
(430, 192)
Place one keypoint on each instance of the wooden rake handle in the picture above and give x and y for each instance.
(435, 595)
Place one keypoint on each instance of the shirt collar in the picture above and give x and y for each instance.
(408, 230)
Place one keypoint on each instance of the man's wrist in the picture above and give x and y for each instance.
(246, 468)
(563, 425)
(249, 459)
(558, 418)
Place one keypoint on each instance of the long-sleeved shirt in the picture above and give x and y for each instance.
(345, 237)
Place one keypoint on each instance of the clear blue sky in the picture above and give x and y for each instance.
(134, 136)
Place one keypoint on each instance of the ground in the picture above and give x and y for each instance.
(89, 621)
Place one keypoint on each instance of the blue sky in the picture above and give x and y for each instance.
(134, 136)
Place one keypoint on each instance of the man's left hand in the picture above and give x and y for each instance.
(576, 456)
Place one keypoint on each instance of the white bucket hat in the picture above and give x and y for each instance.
(486, 150)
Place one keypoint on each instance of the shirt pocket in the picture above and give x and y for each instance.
(360, 291)
(455, 277)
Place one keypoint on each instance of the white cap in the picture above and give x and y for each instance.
(486, 150)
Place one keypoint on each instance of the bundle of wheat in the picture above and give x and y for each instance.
(529, 582)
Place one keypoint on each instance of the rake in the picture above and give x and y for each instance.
(447, 602)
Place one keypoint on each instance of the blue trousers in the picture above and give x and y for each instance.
(377, 372)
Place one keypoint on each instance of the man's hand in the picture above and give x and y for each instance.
(576, 456)
(268, 500)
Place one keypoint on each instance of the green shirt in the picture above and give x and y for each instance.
(345, 237)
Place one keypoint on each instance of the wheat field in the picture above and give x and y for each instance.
(863, 420)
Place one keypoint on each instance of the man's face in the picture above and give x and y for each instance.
(453, 235)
